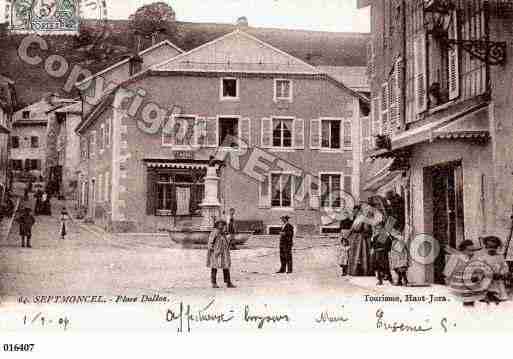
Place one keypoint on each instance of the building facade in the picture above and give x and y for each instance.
(7, 106)
(441, 96)
(239, 100)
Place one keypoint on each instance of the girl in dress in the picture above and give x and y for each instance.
(399, 259)
(343, 255)
(64, 218)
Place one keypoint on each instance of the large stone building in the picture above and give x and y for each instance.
(139, 177)
(440, 74)
(7, 106)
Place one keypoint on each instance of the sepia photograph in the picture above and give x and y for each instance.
(254, 166)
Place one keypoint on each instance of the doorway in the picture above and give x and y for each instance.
(448, 216)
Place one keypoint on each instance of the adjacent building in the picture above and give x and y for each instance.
(7, 106)
(440, 75)
(146, 146)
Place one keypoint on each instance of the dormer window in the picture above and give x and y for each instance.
(282, 90)
(229, 89)
(26, 115)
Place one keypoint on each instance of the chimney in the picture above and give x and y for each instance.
(135, 64)
(242, 21)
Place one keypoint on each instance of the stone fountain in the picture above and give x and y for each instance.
(210, 212)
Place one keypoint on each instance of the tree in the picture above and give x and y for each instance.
(153, 19)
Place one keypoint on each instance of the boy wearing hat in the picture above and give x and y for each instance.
(26, 221)
(286, 244)
(218, 254)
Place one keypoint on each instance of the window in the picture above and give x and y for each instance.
(229, 88)
(26, 115)
(176, 192)
(17, 165)
(34, 142)
(180, 133)
(281, 190)
(282, 90)
(32, 165)
(282, 132)
(331, 133)
(15, 142)
(331, 186)
(228, 132)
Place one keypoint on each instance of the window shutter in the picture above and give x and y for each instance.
(107, 132)
(347, 136)
(298, 192)
(264, 200)
(398, 82)
(348, 184)
(419, 53)
(151, 198)
(370, 59)
(201, 131)
(385, 99)
(376, 118)
(93, 144)
(212, 136)
(453, 60)
(267, 132)
(299, 134)
(315, 134)
(314, 189)
(245, 131)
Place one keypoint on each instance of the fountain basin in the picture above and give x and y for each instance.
(199, 238)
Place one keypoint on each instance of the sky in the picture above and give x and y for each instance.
(322, 15)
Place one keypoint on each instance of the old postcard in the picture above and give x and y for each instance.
(255, 166)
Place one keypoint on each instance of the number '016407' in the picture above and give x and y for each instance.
(18, 347)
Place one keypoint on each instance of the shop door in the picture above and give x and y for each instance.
(448, 219)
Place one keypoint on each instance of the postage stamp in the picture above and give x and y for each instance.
(163, 169)
(52, 16)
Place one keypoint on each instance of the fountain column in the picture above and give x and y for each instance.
(210, 206)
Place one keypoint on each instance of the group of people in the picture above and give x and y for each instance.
(43, 204)
(367, 247)
(479, 273)
(221, 240)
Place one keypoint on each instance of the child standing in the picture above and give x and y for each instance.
(64, 217)
(343, 255)
(399, 259)
(381, 244)
(26, 221)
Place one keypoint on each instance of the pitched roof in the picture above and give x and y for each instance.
(314, 47)
(127, 59)
(354, 77)
(237, 51)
